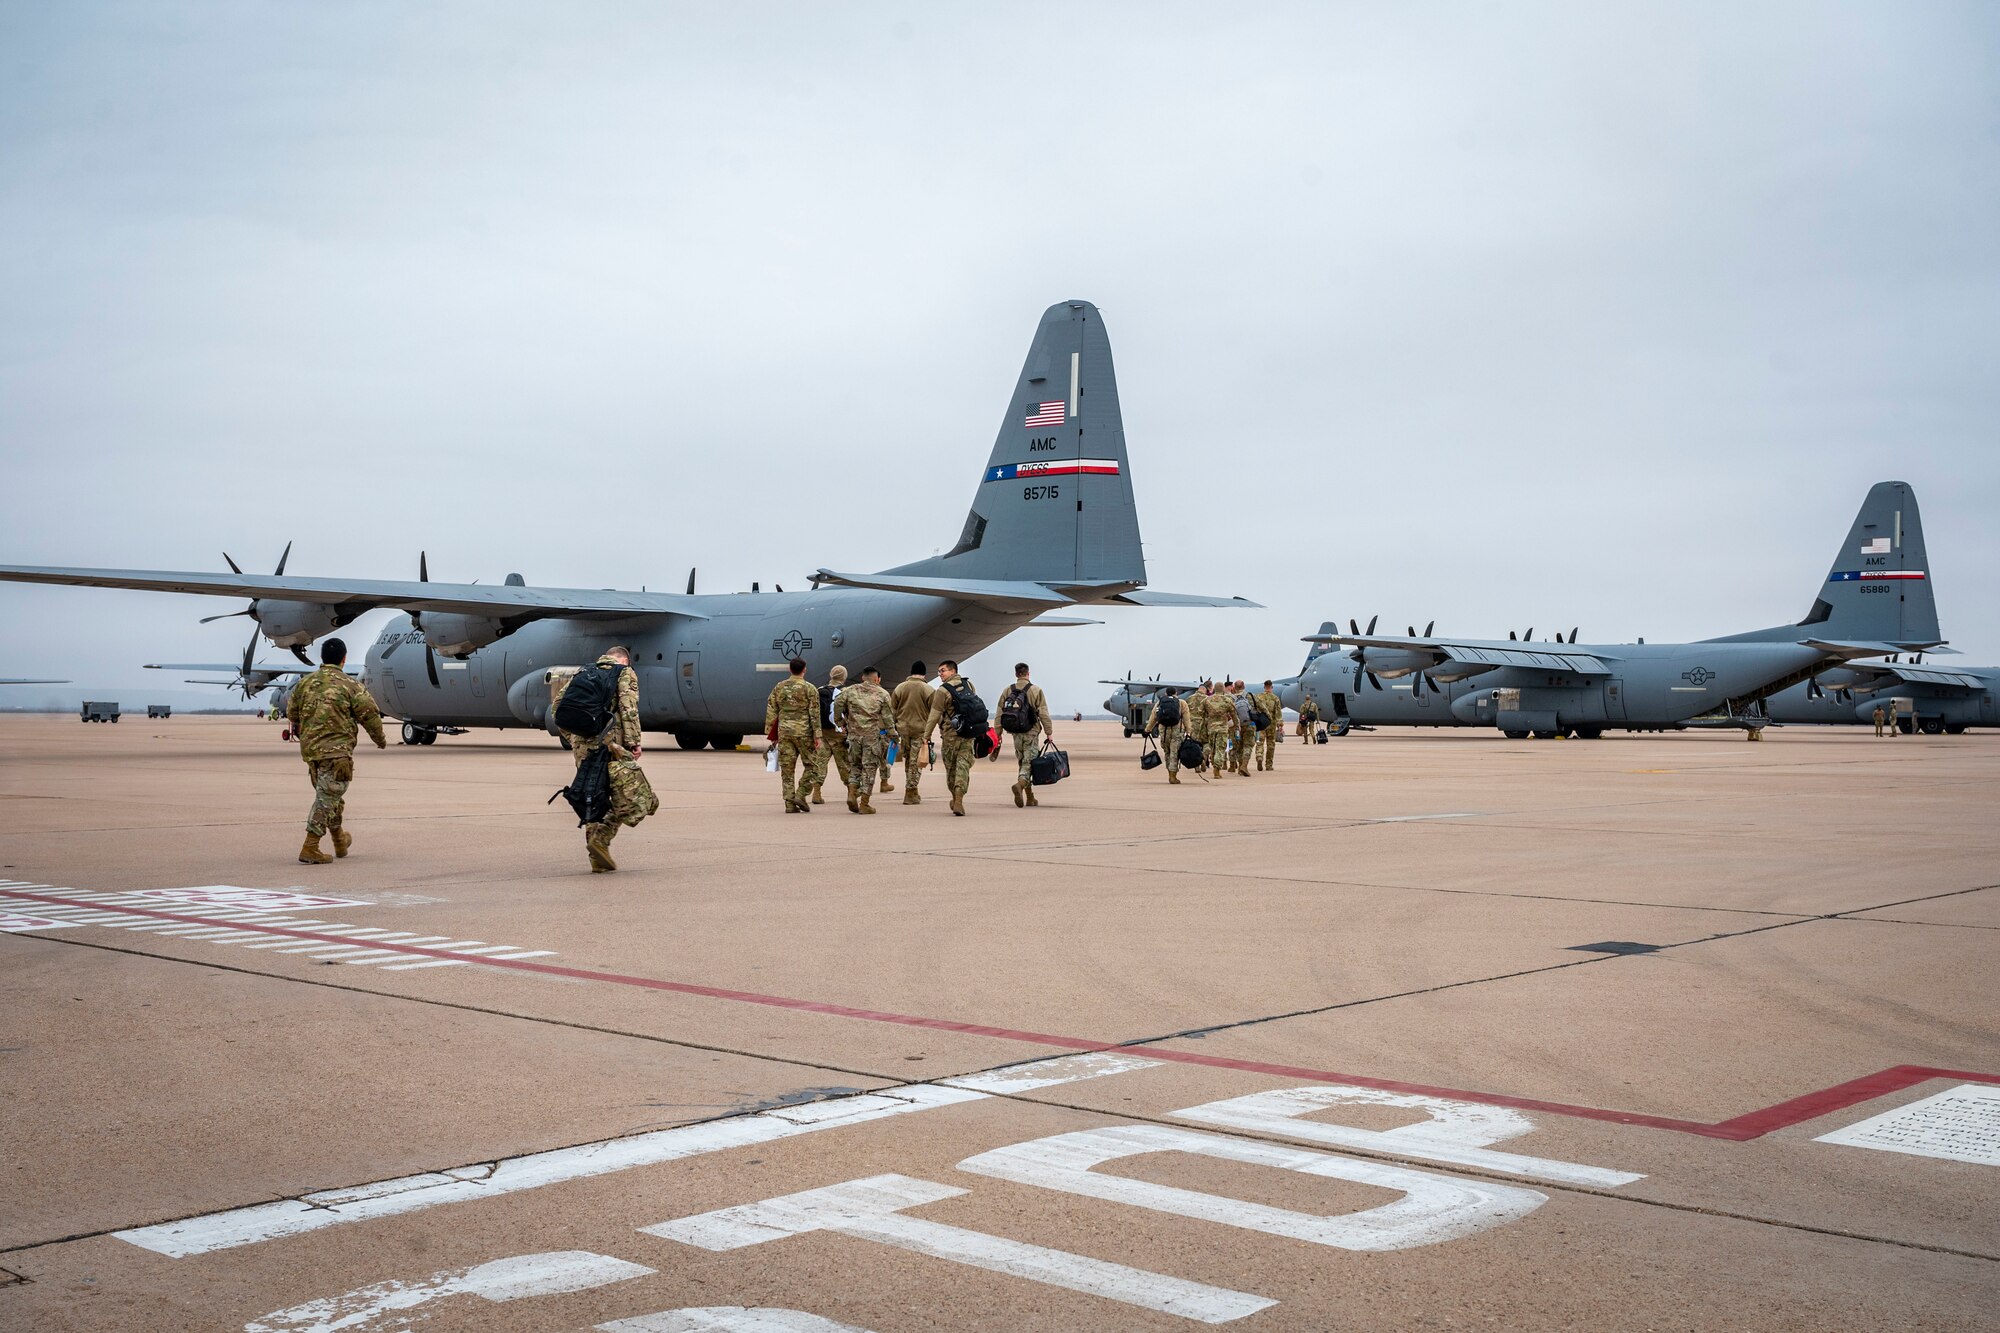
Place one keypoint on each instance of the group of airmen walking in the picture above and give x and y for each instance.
(848, 728)
(1233, 727)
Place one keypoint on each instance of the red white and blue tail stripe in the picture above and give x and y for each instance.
(1054, 467)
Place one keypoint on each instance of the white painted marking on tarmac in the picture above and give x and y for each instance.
(1961, 1124)
(1433, 1208)
(14, 923)
(1456, 1132)
(552, 1274)
(1413, 819)
(406, 1194)
(267, 900)
(871, 1209)
(730, 1319)
(1050, 1073)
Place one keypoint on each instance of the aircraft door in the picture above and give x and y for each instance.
(1614, 700)
(688, 674)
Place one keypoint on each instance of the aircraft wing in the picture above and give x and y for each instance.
(256, 669)
(1931, 676)
(1139, 687)
(502, 601)
(1483, 652)
(23, 680)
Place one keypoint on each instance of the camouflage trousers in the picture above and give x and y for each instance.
(916, 752)
(1170, 747)
(1267, 746)
(330, 778)
(867, 756)
(795, 746)
(632, 797)
(1027, 744)
(956, 752)
(1245, 748)
(832, 749)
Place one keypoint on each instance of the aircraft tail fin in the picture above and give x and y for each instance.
(1319, 650)
(1054, 504)
(1879, 587)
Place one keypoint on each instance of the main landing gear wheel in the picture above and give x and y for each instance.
(727, 743)
(426, 736)
(1589, 733)
(689, 741)
(410, 735)
(1544, 735)
(1955, 729)
(1515, 735)
(1341, 727)
(1932, 727)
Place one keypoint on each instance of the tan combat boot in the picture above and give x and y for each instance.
(886, 786)
(1030, 790)
(1018, 802)
(311, 855)
(958, 803)
(817, 798)
(910, 796)
(342, 840)
(854, 799)
(1173, 779)
(866, 808)
(599, 848)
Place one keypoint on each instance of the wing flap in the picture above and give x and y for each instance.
(1147, 597)
(1000, 594)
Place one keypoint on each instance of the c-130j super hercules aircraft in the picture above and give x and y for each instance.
(1052, 527)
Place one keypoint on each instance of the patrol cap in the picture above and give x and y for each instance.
(836, 675)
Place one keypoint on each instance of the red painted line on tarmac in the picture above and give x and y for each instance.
(1752, 1125)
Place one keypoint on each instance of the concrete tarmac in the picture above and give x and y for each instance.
(1420, 1030)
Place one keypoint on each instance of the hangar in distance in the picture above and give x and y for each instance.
(1876, 601)
(1052, 527)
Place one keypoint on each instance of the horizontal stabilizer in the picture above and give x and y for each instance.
(1848, 649)
(258, 669)
(1147, 597)
(1000, 594)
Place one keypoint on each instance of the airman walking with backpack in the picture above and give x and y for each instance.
(959, 717)
(1024, 714)
(598, 711)
(1220, 706)
(1266, 701)
(832, 745)
(867, 714)
(1168, 724)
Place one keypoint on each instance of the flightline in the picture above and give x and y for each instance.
(1741, 1128)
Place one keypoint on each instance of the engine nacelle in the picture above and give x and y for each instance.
(294, 624)
(1390, 663)
(1844, 678)
(1865, 712)
(458, 635)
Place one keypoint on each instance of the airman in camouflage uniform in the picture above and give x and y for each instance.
(1308, 715)
(832, 745)
(956, 750)
(1169, 736)
(632, 797)
(1246, 732)
(1220, 706)
(325, 710)
(791, 719)
(1267, 702)
(1028, 744)
(912, 701)
(867, 714)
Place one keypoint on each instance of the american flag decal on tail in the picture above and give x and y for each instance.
(1044, 414)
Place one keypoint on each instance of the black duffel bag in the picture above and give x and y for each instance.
(1149, 758)
(1049, 767)
(1192, 755)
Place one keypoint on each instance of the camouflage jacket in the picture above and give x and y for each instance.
(1038, 703)
(1153, 718)
(941, 714)
(794, 706)
(1221, 709)
(864, 710)
(1268, 703)
(326, 710)
(623, 729)
(914, 705)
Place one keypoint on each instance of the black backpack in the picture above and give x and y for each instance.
(589, 792)
(1016, 716)
(590, 701)
(826, 693)
(1259, 718)
(968, 710)
(1170, 711)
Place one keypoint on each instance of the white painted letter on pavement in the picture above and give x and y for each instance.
(551, 1274)
(729, 1319)
(1433, 1208)
(870, 1209)
(1457, 1132)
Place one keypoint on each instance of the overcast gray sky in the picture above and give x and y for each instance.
(1500, 315)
